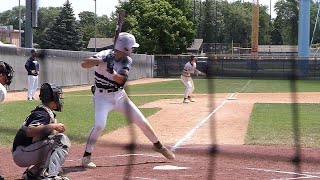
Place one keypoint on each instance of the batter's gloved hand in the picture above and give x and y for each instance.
(109, 59)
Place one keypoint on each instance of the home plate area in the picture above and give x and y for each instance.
(227, 162)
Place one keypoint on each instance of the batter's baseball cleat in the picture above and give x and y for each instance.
(165, 152)
(186, 100)
(56, 178)
(190, 99)
(87, 163)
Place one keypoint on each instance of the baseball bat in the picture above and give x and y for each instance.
(121, 15)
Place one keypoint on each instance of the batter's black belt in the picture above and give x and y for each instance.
(107, 90)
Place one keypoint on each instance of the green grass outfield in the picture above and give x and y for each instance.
(269, 123)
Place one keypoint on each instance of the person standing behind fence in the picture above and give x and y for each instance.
(32, 66)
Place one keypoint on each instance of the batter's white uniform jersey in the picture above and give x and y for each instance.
(3, 92)
(187, 80)
(110, 95)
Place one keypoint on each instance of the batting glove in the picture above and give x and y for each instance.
(109, 59)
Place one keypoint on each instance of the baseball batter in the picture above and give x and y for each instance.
(40, 143)
(111, 73)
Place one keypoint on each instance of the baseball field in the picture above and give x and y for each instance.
(236, 129)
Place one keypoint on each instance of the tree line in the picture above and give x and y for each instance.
(167, 26)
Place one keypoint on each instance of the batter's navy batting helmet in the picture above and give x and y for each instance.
(49, 92)
(7, 70)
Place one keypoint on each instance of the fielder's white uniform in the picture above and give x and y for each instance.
(189, 68)
(3, 92)
(108, 96)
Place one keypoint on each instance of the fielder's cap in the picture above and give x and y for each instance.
(126, 42)
(193, 57)
(33, 50)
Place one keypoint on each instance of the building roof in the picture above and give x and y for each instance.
(100, 43)
(196, 45)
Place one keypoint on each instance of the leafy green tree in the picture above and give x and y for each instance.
(210, 23)
(46, 15)
(237, 18)
(87, 26)
(158, 27)
(11, 17)
(314, 35)
(106, 26)
(64, 33)
(287, 20)
(184, 6)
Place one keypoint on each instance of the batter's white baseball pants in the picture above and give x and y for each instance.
(105, 102)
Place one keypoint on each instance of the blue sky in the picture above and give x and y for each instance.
(104, 7)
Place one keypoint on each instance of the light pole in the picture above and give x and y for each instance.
(95, 25)
(270, 30)
(19, 24)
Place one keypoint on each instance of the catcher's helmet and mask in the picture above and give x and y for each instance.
(49, 92)
(7, 70)
(125, 43)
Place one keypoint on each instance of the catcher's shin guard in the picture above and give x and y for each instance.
(57, 156)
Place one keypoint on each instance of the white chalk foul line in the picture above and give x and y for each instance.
(190, 133)
(303, 175)
(245, 86)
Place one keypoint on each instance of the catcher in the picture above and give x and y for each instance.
(190, 68)
(40, 143)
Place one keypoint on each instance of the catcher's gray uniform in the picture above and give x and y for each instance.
(43, 154)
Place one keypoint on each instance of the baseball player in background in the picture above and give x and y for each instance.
(32, 67)
(40, 144)
(111, 73)
(189, 68)
(6, 75)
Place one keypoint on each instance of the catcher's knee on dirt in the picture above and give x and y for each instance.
(58, 155)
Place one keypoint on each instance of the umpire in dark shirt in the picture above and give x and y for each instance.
(32, 67)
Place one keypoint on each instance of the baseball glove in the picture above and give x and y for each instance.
(200, 73)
